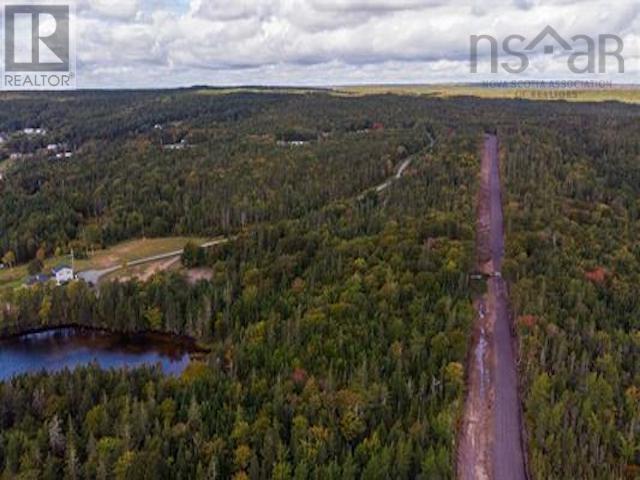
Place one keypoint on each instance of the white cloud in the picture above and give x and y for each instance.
(107, 9)
(181, 42)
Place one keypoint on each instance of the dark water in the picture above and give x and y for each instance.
(57, 349)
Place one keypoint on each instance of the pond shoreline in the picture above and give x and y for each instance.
(53, 349)
(186, 341)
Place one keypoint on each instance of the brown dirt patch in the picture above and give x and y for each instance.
(597, 275)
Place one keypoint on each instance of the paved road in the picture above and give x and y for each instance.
(94, 276)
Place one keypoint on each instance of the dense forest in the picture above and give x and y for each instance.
(574, 264)
(231, 171)
(338, 329)
(338, 317)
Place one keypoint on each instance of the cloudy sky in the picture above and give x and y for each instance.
(163, 43)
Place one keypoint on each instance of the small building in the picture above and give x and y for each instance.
(177, 146)
(62, 274)
(34, 131)
(292, 143)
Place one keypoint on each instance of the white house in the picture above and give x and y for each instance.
(177, 146)
(63, 274)
(34, 131)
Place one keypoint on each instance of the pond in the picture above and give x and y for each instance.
(56, 349)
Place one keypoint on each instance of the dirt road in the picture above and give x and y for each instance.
(93, 276)
(403, 166)
(490, 445)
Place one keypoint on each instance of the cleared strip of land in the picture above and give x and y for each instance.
(94, 276)
(491, 439)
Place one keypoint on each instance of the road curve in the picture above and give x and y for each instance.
(401, 169)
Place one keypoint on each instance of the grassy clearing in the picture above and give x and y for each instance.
(134, 250)
(110, 257)
(620, 94)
